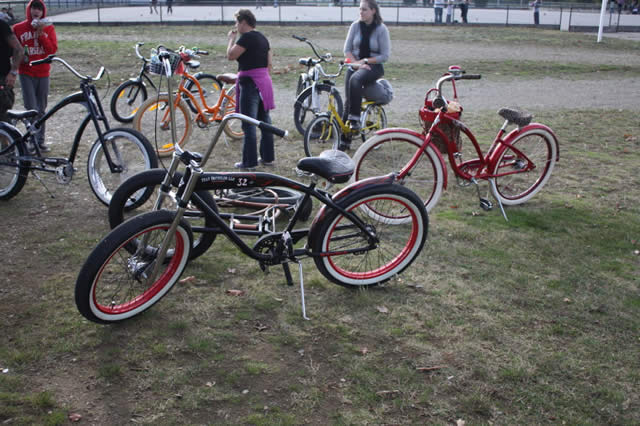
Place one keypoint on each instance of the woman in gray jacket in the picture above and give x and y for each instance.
(368, 45)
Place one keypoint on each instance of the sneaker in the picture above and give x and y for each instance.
(242, 166)
(266, 163)
(354, 125)
(44, 147)
(344, 146)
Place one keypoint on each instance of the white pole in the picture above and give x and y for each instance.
(603, 10)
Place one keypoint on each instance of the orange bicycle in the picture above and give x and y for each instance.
(153, 117)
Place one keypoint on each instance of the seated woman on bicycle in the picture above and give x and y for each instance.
(368, 45)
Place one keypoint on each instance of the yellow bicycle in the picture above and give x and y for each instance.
(329, 131)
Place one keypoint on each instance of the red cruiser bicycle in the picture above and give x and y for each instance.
(517, 164)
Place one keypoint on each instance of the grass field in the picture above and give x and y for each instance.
(531, 321)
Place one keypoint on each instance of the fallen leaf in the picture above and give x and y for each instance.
(75, 417)
(460, 422)
(382, 309)
(231, 270)
(232, 292)
(364, 351)
(187, 280)
(636, 252)
(210, 384)
(567, 300)
(261, 327)
(388, 393)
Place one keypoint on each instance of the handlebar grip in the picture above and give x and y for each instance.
(272, 129)
(202, 52)
(299, 38)
(470, 77)
(46, 60)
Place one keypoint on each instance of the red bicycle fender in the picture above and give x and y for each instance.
(420, 136)
(319, 217)
(517, 131)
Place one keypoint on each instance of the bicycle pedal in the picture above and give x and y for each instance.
(485, 204)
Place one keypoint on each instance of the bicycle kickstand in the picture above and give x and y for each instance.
(287, 273)
(492, 182)
(39, 179)
(485, 203)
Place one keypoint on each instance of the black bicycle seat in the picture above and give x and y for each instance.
(21, 115)
(332, 165)
(521, 118)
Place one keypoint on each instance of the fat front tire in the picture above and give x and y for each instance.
(304, 111)
(153, 120)
(128, 150)
(13, 171)
(383, 154)
(322, 134)
(115, 285)
(138, 195)
(127, 99)
(397, 247)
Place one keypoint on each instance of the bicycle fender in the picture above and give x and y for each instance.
(348, 190)
(11, 129)
(419, 138)
(517, 131)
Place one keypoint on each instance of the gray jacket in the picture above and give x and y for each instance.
(380, 42)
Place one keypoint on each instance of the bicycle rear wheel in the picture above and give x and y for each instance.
(126, 100)
(128, 150)
(13, 171)
(539, 148)
(233, 128)
(346, 256)
(153, 120)
(374, 118)
(383, 154)
(114, 284)
(321, 134)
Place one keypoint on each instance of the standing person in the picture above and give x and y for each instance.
(11, 55)
(368, 45)
(449, 11)
(437, 8)
(153, 5)
(169, 7)
(536, 11)
(38, 36)
(254, 87)
(464, 8)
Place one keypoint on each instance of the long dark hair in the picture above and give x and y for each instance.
(373, 4)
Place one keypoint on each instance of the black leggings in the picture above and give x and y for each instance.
(354, 83)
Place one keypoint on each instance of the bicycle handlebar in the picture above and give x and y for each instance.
(326, 57)
(53, 57)
(137, 47)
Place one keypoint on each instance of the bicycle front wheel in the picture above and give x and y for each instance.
(13, 171)
(154, 121)
(134, 197)
(210, 86)
(128, 150)
(304, 110)
(126, 100)
(115, 285)
(232, 128)
(374, 118)
(523, 176)
(383, 154)
(321, 134)
(346, 257)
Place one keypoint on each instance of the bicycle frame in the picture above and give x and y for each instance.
(214, 110)
(87, 97)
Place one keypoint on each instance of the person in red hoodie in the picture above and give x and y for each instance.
(39, 38)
